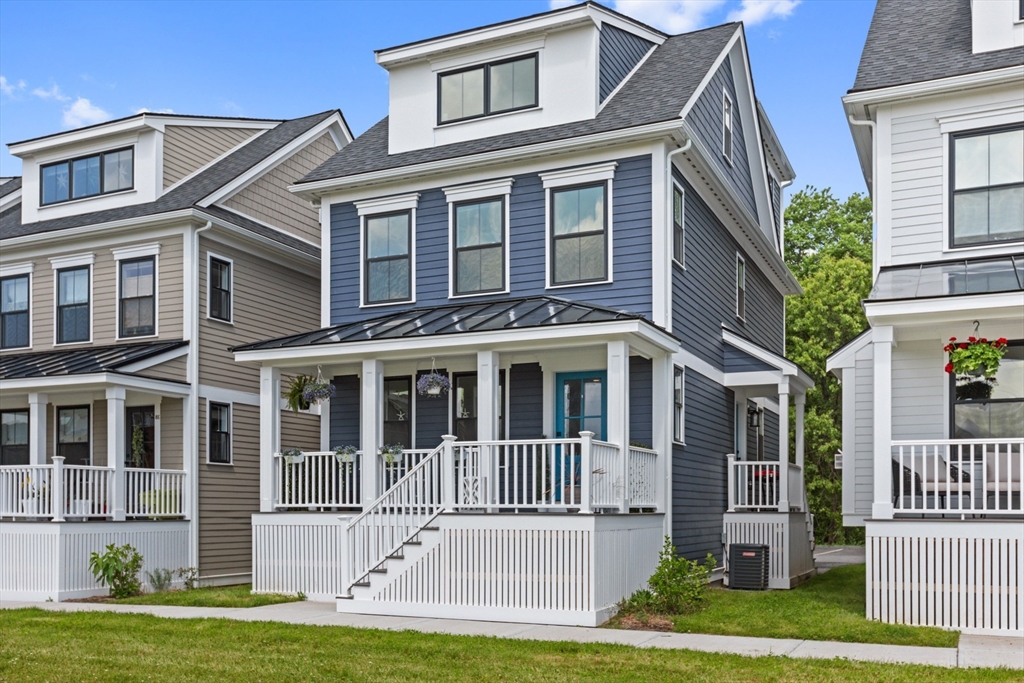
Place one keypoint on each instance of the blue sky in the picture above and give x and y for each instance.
(69, 64)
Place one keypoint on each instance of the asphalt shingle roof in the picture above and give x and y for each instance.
(10, 186)
(188, 193)
(81, 361)
(657, 92)
(910, 43)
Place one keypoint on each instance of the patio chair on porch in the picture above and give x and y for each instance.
(941, 479)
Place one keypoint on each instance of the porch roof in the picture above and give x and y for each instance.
(983, 275)
(452, 319)
(83, 361)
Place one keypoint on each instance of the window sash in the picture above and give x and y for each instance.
(479, 251)
(398, 291)
(741, 288)
(14, 306)
(1002, 197)
(678, 414)
(678, 226)
(727, 124)
(97, 174)
(138, 312)
(220, 290)
(557, 240)
(491, 98)
(219, 433)
(73, 306)
(14, 437)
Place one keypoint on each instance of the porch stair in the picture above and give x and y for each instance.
(376, 581)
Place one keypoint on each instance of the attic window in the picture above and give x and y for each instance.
(487, 89)
(727, 127)
(86, 176)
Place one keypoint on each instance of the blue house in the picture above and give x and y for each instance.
(553, 320)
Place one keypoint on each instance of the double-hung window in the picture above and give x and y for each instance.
(388, 267)
(14, 437)
(479, 246)
(987, 409)
(678, 231)
(220, 289)
(219, 433)
(727, 127)
(86, 176)
(14, 322)
(987, 187)
(487, 89)
(73, 305)
(73, 435)
(579, 234)
(741, 287)
(138, 297)
(678, 408)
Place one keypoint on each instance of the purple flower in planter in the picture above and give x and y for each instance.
(433, 384)
(317, 392)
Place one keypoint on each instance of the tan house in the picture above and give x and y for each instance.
(133, 253)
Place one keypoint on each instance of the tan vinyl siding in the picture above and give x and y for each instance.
(269, 301)
(103, 295)
(300, 430)
(267, 199)
(228, 495)
(174, 370)
(187, 148)
(51, 432)
(99, 433)
(171, 434)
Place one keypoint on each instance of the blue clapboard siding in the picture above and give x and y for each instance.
(621, 51)
(698, 469)
(345, 412)
(706, 119)
(630, 290)
(640, 400)
(752, 434)
(771, 435)
(776, 190)
(704, 295)
(526, 401)
(737, 361)
(431, 416)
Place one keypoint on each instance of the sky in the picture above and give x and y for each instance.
(70, 64)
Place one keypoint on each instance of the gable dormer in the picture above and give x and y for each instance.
(121, 163)
(549, 69)
(996, 25)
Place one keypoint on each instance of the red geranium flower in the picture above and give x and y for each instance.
(963, 346)
(1001, 340)
(972, 339)
(949, 368)
(952, 339)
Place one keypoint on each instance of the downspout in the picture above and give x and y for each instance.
(874, 200)
(192, 372)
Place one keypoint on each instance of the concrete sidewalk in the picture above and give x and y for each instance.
(974, 651)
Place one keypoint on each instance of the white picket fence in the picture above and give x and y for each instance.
(966, 476)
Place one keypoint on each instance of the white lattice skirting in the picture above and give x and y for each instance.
(50, 561)
(964, 575)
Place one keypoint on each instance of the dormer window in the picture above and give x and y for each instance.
(86, 176)
(487, 89)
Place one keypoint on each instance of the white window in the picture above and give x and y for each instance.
(741, 287)
(86, 176)
(988, 187)
(478, 259)
(220, 282)
(487, 89)
(678, 407)
(387, 274)
(218, 427)
(727, 126)
(14, 311)
(678, 226)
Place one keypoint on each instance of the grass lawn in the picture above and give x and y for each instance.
(217, 596)
(39, 645)
(828, 607)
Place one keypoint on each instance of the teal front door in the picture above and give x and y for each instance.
(580, 405)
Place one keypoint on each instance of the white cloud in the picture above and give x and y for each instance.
(53, 93)
(755, 11)
(8, 88)
(145, 110)
(83, 113)
(671, 16)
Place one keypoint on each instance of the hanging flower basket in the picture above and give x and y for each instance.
(975, 357)
(344, 454)
(294, 456)
(433, 384)
(390, 453)
(305, 391)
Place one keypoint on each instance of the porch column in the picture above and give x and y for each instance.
(661, 426)
(487, 419)
(784, 492)
(882, 341)
(798, 444)
(618, 412)
(371, 427)
(116, 449)
(37, 429)
(270, 433)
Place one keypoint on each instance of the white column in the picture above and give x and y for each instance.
(661, 427)
(270, 433)
(882, 340)
(325, 423)
(784, 446)
(116, 449)
(618, 411)
(371, 426)
(37, 429)
(487, 395)
(798, 444)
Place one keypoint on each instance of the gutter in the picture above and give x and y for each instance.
(876, 233)
(192, 377)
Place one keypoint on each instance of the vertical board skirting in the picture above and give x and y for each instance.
(964, 576)
(790, 555)
(29, 569)
(293, 553)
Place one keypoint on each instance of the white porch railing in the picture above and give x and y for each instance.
(643, 490)
(392, 468)
(154, 493)
(87, 490)
(958, 476)
(316, 480)
(26, 490)
(753, 484)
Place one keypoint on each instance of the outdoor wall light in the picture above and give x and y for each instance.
(753, 417)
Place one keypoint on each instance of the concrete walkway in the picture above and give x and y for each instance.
(974, 651)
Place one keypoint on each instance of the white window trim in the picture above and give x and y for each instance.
(136, 251)
(117, 293)
(63, 263)
(681, 440)
(372, 207)
(579, 176)
(736, 304)
(493, 189)
(729, 124)
(482, 58)
(16, 270)
(231, 286)
(231, 432)
(672, 213)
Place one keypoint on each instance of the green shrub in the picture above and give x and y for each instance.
(189, 577)
(118, 568)
(160, 579)
(678, 585)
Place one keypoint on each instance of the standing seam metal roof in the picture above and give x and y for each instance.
(81, 361)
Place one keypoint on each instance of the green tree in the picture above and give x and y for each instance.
(828, 247)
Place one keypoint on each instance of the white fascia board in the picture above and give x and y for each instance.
(710, 74)
(239, 182)
(273, 249)
(95, 381)
(846, 357)
(562, 335)
(10, 200)
(32, 147)
(786, 367)
(1010, 74)
(155, 360)
(319, 188)
(967, 307)
(762, 378)
(160, 122)
(774, 146)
